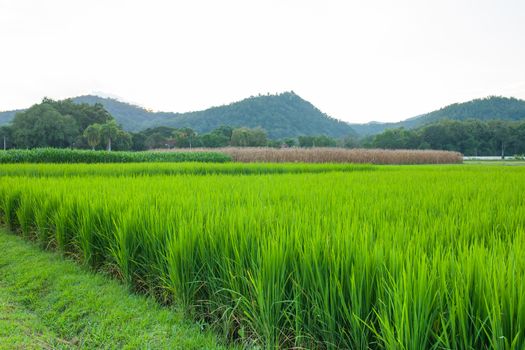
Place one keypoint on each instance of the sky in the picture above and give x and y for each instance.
(357, 61)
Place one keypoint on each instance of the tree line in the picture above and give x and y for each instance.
(471, 137)
(223, 136)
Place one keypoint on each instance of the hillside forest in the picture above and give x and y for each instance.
(69, 124)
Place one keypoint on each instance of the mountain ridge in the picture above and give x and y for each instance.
(288, 115)
(487, 108)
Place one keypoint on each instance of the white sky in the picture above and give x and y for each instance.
(356, 60)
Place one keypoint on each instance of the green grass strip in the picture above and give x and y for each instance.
(49, 303)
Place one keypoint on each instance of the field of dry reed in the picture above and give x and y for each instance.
(334, 155)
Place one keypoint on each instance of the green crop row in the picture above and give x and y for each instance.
(187, 168)
(60, 155)
(405, 258)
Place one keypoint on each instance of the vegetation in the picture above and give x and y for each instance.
(336, 155)
(47, 303)
(483, 109)
(282, 115)
(223, 136)
(423, 257)
(62, 124)
(470, 137)
(490, 126)
(56, 155)
(137, 169)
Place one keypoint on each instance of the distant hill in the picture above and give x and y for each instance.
(131, 117)
(288, 115)
(483, 109)
(6, 117)
(282, 115)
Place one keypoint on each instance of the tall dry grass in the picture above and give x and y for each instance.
(335, 155)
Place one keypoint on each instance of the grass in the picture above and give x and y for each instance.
(49, 303)
(20, 328)
(64, 155)
(406, 257)
(334, 155)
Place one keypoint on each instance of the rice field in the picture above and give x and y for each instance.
(405, 257)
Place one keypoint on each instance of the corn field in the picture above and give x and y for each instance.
(413, 257)
(333, 155)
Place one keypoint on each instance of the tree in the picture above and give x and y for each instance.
(43, 126)
(155, 140)
(93, 135)
(184, 137)
(122, 141)
(83, 113)
(290, 142)
(109, 131)
(306, 141)
(246, 137)
(214, 139)
(224, 130)
(138, 141)
(188, 134)
(240, 137)
(350, 141)
(316, 141)
(5, 135)
(324, 141)
(258, 137)
(501, 135)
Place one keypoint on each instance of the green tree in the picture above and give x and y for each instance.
(502, 136)
(83, 113)
(306, 141)
(246, 137)
(122, 141)
(138, 141)
(350, 141)
(5, 135)
(224, 130)
(155, 140)
(109, 132)
(324, 141)
(240, 137)
(43, 126)
(93, 134)
(184, 137)
(214, 139)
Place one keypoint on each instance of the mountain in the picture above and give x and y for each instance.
(131, 117)
(488, 108)
(282, 115)
(6, 117)
(288, 115)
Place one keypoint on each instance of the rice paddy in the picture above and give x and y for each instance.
(406, 257)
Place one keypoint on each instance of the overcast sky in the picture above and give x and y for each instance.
(356, 60)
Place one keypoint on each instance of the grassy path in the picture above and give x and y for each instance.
(47, 302)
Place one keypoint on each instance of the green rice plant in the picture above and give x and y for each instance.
(415, 257)
(163, 168)
(9, 204)
(25, 216)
